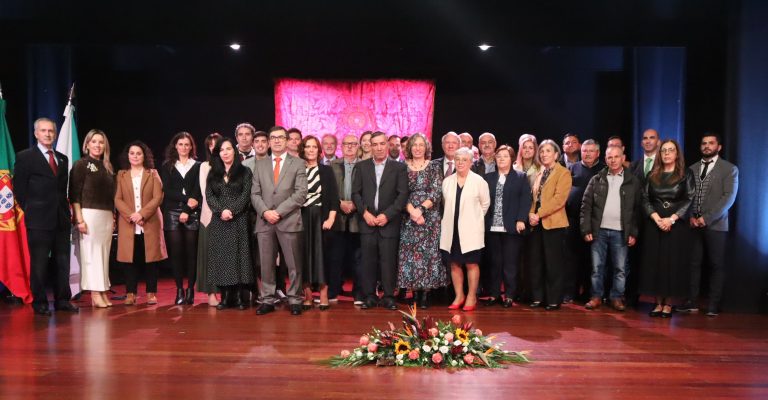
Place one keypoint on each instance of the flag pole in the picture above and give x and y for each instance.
(1, 90)
(71, 93)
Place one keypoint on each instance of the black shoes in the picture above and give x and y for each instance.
(189, 298)
(552, 307)
(688, 307)
(492, 301)
(508, 303)
(656, 311)
(266, 309)
(295, 309)
(324, 307)
(370, 302)
(535, 304)
(421, 299)
(388, 303)
(180, 300)
(66, 306)
(41, 309)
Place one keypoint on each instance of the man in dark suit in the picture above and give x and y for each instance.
(717, 182)
(40, 186)
(642, 167)
(344, 237)
(279, 190)
(379, 191)
(450, 142)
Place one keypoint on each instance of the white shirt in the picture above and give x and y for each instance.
(711, 164)
(137, 199)
(445, 165)
(183, 169)
(282, 160)
(45, 150)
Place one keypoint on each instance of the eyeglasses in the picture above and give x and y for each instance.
(672, 150)
(277, 138)
(350, 144)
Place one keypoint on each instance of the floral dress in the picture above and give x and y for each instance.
(419, 262)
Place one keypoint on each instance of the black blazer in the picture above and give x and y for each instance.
(330, 194)
(516, 200)
(41, 194)
(393, 194)
(636, 167)
(173, 185)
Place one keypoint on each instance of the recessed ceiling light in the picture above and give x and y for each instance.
(234, 46)
(484, 47)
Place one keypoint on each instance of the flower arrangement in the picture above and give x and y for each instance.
(428, 343)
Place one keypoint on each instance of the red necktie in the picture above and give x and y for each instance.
(52, 162)
(277, 169)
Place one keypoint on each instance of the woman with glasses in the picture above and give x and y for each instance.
(669, 189)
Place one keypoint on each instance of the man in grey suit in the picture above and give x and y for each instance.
(717, 182)
(260, 147)
(279, 189)
(379, 191)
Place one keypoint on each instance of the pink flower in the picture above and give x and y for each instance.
(433, 332)
(364, 340)
(469, 358)
(437, 358)
(344, 353)
(414, 354)
(478, 332)
(372, 347)
(456, 319)
(449, 336)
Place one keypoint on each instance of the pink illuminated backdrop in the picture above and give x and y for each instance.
(400, 107)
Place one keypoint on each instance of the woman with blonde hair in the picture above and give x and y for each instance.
(548, 221)
(91, 193)
(527, 160)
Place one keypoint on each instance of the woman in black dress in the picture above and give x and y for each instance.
(180, 175)
(318, 214)
(666, 198)
(228, 193)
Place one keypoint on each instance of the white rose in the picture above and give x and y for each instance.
(444, 349)
(454, 363)
(399, 357)
(399, 362)
(445, 341)
(358, 353)
(426, 348)
(457, 343)
(370, 356)
(477, 340)
(464, 349)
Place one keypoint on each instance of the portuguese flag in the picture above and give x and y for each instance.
(14, 262)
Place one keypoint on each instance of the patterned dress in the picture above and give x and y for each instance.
(313, 271)
(229, 255)
(420, 265)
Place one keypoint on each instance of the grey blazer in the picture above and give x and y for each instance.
(724, 183)
(286, 197)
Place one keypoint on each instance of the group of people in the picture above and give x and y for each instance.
(537, 224)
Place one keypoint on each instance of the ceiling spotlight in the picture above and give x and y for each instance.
(484, 47)
(234, 46)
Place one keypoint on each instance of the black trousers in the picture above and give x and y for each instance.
(547, 264)
(344, 255)
(713, 242)
(379, 262)
(182, 246)
(578, 263)
(43, 243)
(503, 250)
(139, 262)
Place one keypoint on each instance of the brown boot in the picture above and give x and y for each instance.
(593, 303)
(130, 299)
(618, 305)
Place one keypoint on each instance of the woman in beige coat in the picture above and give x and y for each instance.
(462, 232)
(140, 240)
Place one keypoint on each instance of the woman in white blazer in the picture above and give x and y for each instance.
(462, 234)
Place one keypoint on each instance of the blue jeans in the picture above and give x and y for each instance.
(603, 242)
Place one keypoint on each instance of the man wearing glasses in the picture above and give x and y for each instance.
(279, 189)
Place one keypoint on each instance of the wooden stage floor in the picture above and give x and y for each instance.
(196, 352)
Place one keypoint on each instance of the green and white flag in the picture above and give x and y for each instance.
(68, 142)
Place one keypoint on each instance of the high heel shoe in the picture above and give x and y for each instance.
(151, 299)
(130, 299)
(456, 306)
(179, 297)
(324, 307)
(656, 311)
(105, 297)
(666, 314)
(469, 308)
(97, 301)
(189, 298)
